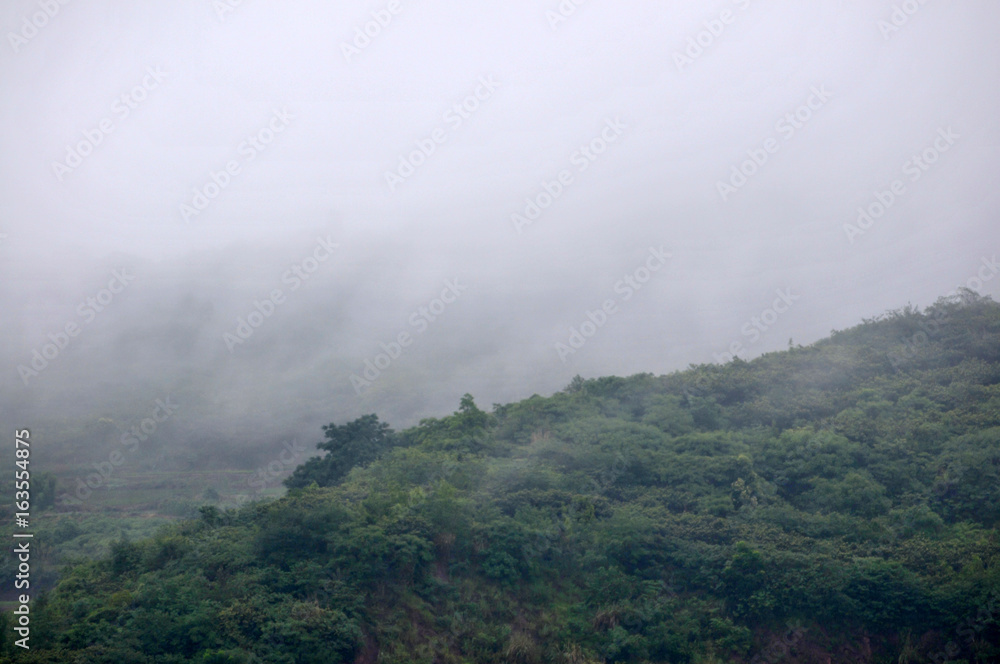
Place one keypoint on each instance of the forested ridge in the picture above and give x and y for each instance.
(831, 503)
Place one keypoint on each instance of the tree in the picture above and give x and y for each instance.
(462, 431)
(471, 418)
(356, 443)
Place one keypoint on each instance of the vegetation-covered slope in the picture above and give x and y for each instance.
(832, 503)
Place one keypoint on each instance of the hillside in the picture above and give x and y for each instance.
(831, 503)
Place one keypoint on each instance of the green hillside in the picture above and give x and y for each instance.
(831, 503)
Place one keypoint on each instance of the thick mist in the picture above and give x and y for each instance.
(283, 215)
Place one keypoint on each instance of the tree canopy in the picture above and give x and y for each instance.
(837, 502)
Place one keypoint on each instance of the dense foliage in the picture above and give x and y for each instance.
(832, 503)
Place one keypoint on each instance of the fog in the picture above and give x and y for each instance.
(485, 198)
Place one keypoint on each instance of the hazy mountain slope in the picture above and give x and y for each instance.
(832, 503)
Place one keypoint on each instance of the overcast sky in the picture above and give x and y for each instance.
(419, 150)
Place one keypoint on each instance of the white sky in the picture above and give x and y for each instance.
(685, 129)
